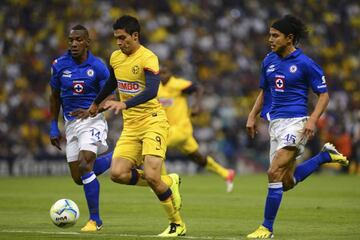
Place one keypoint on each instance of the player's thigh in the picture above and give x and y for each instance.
(129, 147)
(154, 139)
(176, 137)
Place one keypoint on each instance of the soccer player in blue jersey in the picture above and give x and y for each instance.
(289, 74)
(76, 79)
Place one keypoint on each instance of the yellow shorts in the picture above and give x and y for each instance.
(148, 137)
(182, 139)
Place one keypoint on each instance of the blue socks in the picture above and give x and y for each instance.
(273, 200)
(275, 190)
(92, 191)
(306, 168)
(102, 163)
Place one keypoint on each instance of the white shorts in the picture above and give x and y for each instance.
(285, 133)
(89, 134)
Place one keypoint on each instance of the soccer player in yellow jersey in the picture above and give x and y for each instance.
(172, 95)
(143, 141)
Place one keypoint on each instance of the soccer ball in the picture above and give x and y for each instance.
(64, 213)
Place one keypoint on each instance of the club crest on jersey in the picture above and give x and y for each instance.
(279, 83)
(293, 68)
(135, 69)
(128, 87)
(67, 74)
(90, 72)
(78, 87)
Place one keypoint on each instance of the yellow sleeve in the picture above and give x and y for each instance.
(181, 84)
(152, 64)
(112, 57)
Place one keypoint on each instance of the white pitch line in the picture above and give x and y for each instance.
(114, 234)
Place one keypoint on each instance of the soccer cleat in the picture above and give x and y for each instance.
(175, 189)
(335, 155)
(174, 230)
(230, 180)
(261, 232)
(91, 226)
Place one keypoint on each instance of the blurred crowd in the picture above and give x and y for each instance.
(219, 44)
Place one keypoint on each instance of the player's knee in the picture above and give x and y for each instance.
(84, 167)
(198, 158)
(274, 174)
(117, 177)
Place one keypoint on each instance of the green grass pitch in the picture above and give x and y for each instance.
(322, 207)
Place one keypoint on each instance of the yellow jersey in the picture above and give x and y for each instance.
(175, 102)
(130, 75)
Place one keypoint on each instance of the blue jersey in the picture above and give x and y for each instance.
(78, 83)
(289, 80)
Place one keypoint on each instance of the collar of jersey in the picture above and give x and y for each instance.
(88, 60)
(294, 54)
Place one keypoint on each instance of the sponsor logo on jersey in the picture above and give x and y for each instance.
(128, 87)
(279, 83)
(271, 68)
(166, 102)
(78, 87)
(90, 72)
(323, 83)
(293, 68)
(67, 74)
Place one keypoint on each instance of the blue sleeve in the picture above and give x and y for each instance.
(316, 78)
(152, 82)
(103, 75)
(263, 82)
(267, 93)
(55, 78)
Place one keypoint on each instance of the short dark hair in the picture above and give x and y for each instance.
(290, 24)
(128, 23)
(81, 28)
